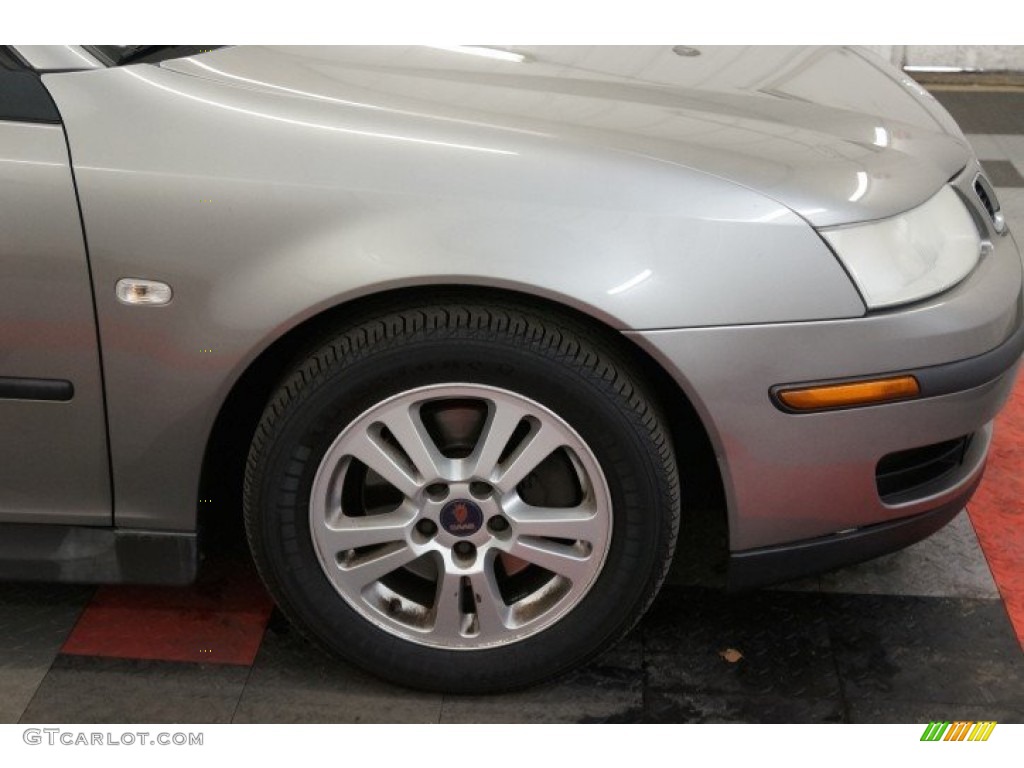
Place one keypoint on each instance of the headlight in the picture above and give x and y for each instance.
(911, 256)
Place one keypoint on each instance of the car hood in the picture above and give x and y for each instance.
(835, 134)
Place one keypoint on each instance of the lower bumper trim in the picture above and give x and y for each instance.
(770, 565)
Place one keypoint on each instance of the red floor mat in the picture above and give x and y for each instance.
(997, 509)
(220, 619)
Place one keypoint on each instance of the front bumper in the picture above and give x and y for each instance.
(771, 565)
(795, 478)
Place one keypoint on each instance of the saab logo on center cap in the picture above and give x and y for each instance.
(461, 517)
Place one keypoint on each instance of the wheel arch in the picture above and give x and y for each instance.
(227, 444)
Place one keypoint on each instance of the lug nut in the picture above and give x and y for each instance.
(497, 524)
(464, 549)
(426, 527)
(437, 491)
(480, 490)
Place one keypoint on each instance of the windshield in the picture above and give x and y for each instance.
(117, 55)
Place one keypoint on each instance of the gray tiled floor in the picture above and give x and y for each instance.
(1002, 173)
(999, 147)
(979, 110)
(987, 146)
(85, 689)
(293, 681)
(34, 620)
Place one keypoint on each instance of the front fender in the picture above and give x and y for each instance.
(262, 210)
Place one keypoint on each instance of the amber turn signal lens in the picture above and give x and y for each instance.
(845, 395)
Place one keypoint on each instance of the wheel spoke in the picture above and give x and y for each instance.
(575, 523)
(448, 615)
(491, 611)
(355, 532)
(363, 571)
(407, 427)
(382, 459)
(501, 424)
(542, 441)
(558, 558)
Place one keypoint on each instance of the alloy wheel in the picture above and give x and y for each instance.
(460, 516)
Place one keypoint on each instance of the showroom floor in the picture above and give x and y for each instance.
(931, 633)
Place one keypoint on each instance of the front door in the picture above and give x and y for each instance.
(54, 465)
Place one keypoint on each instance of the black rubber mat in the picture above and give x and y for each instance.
(700, 656)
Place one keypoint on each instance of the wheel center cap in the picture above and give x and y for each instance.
(461, 517)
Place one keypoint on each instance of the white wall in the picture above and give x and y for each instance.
(1009, 57)
(980, 56)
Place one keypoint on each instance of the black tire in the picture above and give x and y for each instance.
(557, 362)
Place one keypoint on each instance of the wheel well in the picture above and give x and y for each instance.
(703, 543)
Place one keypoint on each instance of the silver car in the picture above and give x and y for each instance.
(464, 333)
